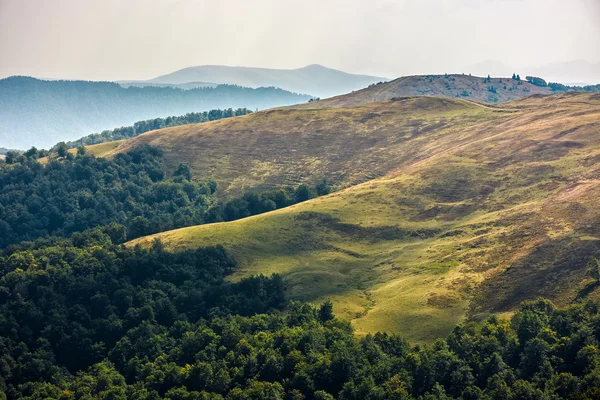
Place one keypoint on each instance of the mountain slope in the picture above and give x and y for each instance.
(454, 86)
(41, 113)
(483, 215)
(315, 80)
(281, 147)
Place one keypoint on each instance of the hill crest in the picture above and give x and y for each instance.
(484, 90)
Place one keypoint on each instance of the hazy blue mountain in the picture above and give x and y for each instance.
(313, 79)
(40, 113)
(185, 86)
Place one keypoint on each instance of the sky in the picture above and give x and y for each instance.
(141, 39)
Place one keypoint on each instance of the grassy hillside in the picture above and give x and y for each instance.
(455, 86)
(98, 150)
(345, 145)
(487, 208)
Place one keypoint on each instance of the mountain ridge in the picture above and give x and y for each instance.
(313, 79)
(485, 90)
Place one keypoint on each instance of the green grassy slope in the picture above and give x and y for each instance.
(345, 145)
(98, 150)
(477, 216)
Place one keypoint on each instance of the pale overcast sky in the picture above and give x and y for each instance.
(140, 39)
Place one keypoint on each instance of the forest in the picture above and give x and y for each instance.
(84, 318)
(77, 192)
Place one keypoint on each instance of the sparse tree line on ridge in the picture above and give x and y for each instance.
(127, 132)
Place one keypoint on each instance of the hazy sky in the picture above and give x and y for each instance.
(140, 39)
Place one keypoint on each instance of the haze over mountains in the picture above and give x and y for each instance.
(41, 113)
(315, 80)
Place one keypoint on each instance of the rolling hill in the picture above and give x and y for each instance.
(315, 80)
(41, 113)
(474, 88)
(280, 147)
(480, 207)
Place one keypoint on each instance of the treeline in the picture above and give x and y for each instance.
(4, 150)
(559, 87)
(77, 192)
(85, 319)
(127, 132)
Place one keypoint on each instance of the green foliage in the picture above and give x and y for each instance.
(83, 318)
(73, 194)
(258, 203)
(70, 305)
(77, 193)
(559, 87)
(326, 312)
(61, 149)
(593, 268)
(536, 81)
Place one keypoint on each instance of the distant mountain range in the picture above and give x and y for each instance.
(315, 80)
(41, 113)
(184, 86)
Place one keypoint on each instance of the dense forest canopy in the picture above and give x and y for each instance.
(41, 113)
(74, 193)
(84, 318)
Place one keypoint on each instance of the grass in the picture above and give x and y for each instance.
(98, 150)
(471, 218)
(282, 147)
(475, 88)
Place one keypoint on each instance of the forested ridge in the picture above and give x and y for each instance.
(75, 192)
(84, 318)
(127, 132)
